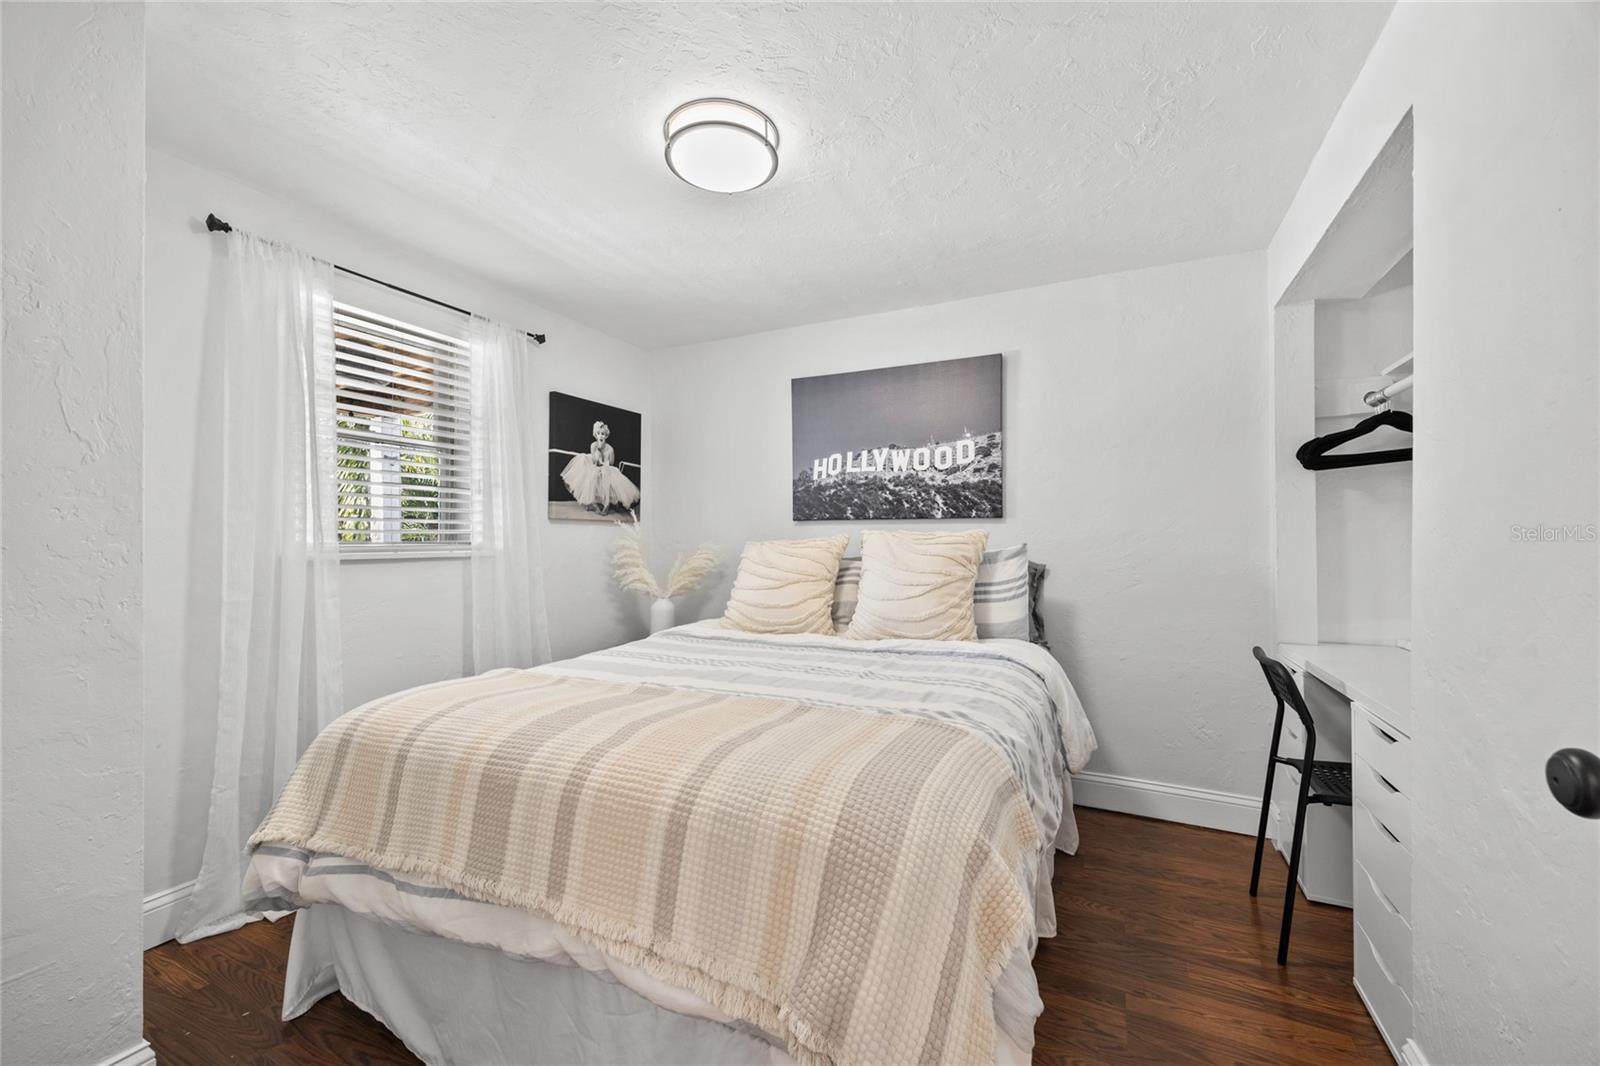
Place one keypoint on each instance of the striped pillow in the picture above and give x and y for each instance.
(993, 619)
(846, 588)
(785, 586)
(917, 586)
(1000, 599)
(1036, 572)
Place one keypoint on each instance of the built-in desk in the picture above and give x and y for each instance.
(1376, 679)
(1377, 676)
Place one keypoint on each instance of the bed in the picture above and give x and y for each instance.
(706, 846)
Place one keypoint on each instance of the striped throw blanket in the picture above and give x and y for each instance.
(853, 883)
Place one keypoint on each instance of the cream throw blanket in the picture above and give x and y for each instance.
(851, 882)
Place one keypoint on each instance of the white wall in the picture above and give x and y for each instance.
(1136, 426)
(1507, 174)
(73, 129)
(404, 622)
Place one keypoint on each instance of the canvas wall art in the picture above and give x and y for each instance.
(919, 441)
(595, 452)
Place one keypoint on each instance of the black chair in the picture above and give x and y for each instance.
(1326, 783)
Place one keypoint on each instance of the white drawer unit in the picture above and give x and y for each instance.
(1293, 742)
(1325, 871)
(1291, 745)
(1280, 821)
(1374, 684)
(1385, 926)
(1382, 785)
(1387, 1002)
(1384, 857)
(1325, 845)
(1385, 748)
(1389, 804)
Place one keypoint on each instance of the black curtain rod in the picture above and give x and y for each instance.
(216, 225)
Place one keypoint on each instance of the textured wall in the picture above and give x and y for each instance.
(1507, 914)
(73, 117)
(403, 621)
(1136, 426)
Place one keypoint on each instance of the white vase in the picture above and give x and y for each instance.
(663, 615)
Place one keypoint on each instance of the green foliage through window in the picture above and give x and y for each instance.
(402, 438)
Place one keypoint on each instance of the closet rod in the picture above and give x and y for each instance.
(1379, 397)
(216, 225)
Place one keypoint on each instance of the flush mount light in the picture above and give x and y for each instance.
(721, 145)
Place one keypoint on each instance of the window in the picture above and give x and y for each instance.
(402, 395)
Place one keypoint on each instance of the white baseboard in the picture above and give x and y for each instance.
(1411, 1054)
(1171, 803)
(140, 1054)
(161, 914)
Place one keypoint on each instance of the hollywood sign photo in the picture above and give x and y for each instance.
(841, 471)
(892, 460)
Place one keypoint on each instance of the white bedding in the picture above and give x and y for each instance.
(1011, 692)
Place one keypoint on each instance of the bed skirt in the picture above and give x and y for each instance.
(459, 1003)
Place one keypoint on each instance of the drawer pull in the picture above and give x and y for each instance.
(1382, 898)
(1381, 826)
(1381, 733)
(1384, 781)
(1387, 976)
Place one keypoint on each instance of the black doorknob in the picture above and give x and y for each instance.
(1574, 778)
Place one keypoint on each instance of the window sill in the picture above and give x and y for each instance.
(380, 556)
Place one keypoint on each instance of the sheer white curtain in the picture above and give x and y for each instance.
(509, 627)
(279, 679)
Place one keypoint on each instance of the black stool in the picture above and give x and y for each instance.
(1326, 783)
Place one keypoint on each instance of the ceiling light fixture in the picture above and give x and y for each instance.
(721, 145)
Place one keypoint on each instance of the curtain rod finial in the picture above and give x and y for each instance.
(216, 225)
(538, 338)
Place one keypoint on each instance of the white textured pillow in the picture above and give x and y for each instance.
(1000, 600)
(917, 585)
(785, 586)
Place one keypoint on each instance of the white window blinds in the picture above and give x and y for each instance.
(402, 395)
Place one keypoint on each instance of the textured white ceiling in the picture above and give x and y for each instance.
(929, 151)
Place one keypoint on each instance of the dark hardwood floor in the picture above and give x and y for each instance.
(1162, 958)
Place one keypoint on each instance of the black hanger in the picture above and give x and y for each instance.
(1313, 454)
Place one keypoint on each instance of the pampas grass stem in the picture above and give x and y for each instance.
(632, 572)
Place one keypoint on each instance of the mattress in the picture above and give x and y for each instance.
(1012, 694)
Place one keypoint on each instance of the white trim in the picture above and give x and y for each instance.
(161, 914)
(389, 555)
(1411, 1054)
(1227, 811)
(140, 1054)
